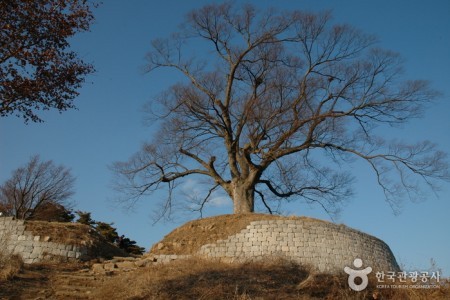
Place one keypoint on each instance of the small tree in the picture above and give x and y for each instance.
(107, 231)
(110, 233)
(37, 69)
(272, 105)
(130, 247)
(35, 185)
(85, 218)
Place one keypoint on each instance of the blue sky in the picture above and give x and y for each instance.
(109, 124)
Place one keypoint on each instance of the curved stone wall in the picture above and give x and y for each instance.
(324, 246)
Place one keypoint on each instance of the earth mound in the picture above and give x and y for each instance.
(190, 237)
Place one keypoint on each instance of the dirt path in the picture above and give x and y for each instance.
(60, 281)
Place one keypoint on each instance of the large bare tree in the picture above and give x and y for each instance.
(267, 97)
(37, 68)
(34, 186)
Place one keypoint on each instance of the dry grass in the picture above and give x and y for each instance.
(66, 233)
(188, 239)
(205, 279)
(10, 266)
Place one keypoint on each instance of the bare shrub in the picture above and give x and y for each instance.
(10, 266)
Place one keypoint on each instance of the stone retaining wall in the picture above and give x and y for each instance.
(324, 246)
(14, 239)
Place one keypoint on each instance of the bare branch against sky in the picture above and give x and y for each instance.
(272, 104)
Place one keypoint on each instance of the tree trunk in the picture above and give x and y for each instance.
(243, 198)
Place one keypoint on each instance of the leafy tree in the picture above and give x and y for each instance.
(273, 103)
(37, 69)
(35, 185)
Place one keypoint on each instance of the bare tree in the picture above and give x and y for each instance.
(37, 69)
(272, 105)
(34, 186)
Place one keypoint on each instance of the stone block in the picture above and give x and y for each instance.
(37, 238)
(98, 268)
(34, 255)
(143, 263)
(28, 249)
(261, 238)
(249, 235)
(38, 250)
(19, 229)
(110, 266)
(18, 248)
(126, 265)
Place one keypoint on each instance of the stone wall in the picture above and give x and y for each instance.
(324, 246)
(16, 239)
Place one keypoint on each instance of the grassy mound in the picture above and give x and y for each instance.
(65, 233)
(190, 237)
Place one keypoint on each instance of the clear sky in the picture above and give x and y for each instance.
(109, 125)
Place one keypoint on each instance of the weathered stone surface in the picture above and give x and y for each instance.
(98, 268)
(325, 246)
(33, 248)
(126, 265)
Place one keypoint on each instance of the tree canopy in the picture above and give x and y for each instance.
(35, 186)
(38, 71)
(273, 103)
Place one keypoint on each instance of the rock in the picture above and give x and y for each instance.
(98, 268)
(120, 258)
(126, 265)
(142, 262)
(110, 266)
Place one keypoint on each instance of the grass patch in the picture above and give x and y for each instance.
(10, 266)
(65, 233)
